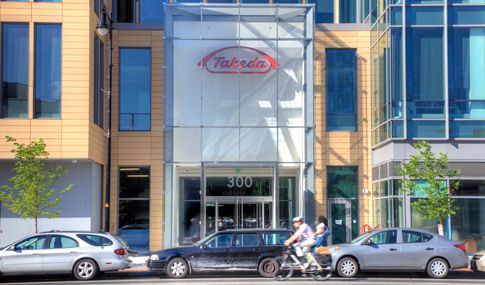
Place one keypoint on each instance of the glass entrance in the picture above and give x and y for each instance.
(342, 219)
(228, 214)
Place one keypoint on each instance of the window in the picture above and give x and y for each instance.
(323, 10)
(98, 4)
(36, 242)
(224, 240)
(247, 240)
(142, 11)
(48, 71)
(275, 238)
(46, 1)
(348, 11)
(134, 207)
(15, 82)
(425, 82)
(342, 182)
(98, 82)
(467, 224)
(287, 200)
(384, 237)
(466, 51)
(470, 188)
(411, 237)
(62, 242)
(417, 15)
(466, 15)
(135, 89)
(95, 240)
(341, 90)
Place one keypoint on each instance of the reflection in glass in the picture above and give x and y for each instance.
(396, 16)
(287, 201)
(426, 129)
(424, 64)
(135, 89)
(341, 90)
(396, 54)
(323, 10)
(342, 182)
(48, 70)
(15, 82)
(133, 220)
(467, 225)
(220, 144)
(258, 144)
(416, 15)
(398, 212)
(467, 129)
(239, 185)
(426, 109)
(466, 15)
(467, 109)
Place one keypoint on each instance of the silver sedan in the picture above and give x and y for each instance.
(86, 255)
(399, 249)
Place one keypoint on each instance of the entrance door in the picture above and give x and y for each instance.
(339, 218)
(239, 213)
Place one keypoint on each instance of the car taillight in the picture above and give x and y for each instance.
(460, 247)
(120, 251)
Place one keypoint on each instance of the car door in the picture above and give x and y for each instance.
(247, 250)
(216, 252)
(417, 249)
(25, 256)
(273, 242)
(60, 253)
(383, 253)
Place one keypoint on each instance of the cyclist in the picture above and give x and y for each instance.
(303, 230)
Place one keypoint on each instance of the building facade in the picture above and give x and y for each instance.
(236, 114)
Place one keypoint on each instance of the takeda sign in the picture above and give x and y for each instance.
(235, 60)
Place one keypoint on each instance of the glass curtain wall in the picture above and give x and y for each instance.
(388, 201)
(414, 99)
(239, 95)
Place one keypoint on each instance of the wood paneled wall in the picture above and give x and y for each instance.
(140, 148)
(339, 148)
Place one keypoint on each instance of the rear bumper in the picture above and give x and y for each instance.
(156, 265)
(112, 264)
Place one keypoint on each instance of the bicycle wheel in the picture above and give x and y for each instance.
(323, 275)
(281, 270)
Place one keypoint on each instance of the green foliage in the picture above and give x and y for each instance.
(32, 186)
(425, 175)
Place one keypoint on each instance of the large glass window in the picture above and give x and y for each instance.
(341, 90)
(48, 70)
(466, 70)
(134, 208)
(348, 11)
(470, 188)
(468, 224)
(342, 182)
(424, 70)
(15, 71)
(324, 10)
(466, 15)
(135, 89)
(426, 15)
(141, 11)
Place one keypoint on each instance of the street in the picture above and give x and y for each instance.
(237, 279)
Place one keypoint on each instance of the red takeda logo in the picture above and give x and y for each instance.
(236, 60)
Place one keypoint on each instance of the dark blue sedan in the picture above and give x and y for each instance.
(250, 249)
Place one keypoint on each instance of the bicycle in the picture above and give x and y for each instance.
(282, 266)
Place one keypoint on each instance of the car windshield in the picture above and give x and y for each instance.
(203, 240)
(361, 237)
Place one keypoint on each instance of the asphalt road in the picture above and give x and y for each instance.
(236, 279)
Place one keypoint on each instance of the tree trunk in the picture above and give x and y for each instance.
(35, 224)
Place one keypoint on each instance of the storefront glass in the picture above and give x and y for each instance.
(239, 119)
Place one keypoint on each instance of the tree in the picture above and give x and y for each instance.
(32, 186)
(425, 175)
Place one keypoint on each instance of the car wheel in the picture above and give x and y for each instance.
(438, 268)
(85, 269)
(265, 268)
(347, 267)
(177, 268)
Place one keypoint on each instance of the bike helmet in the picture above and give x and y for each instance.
(297, 219)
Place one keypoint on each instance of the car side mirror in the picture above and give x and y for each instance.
(13, 248)
(203, 246)
(368, 242)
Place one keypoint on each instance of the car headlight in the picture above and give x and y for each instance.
(334, 249)
(154, 257)
(482, 258)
